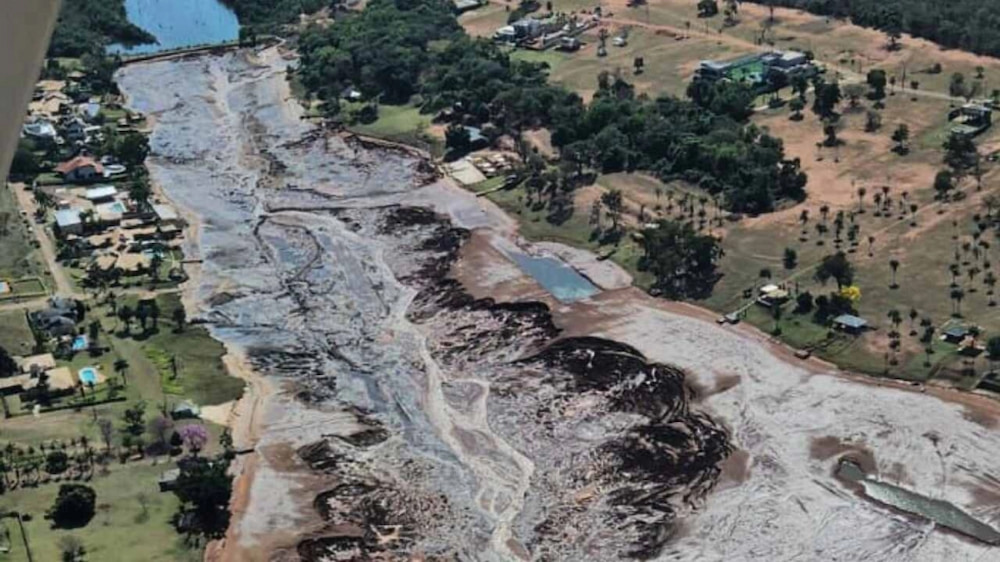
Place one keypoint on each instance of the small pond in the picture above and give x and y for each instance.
(179, 23)
(564, 282)
(938, 511)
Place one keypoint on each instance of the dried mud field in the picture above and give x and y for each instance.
(428, 401)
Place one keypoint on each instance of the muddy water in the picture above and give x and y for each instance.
(419, 426)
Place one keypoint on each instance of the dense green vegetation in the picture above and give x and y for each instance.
(381, 51)
(967, 24)
(270, 12)
(87, 26)
(399, 50)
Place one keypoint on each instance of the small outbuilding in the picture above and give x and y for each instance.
(168, 480)
(850, 324)
(185, 410)
(68, 221)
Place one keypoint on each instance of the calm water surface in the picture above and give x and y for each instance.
(180, 23)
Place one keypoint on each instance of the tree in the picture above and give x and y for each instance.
(131, 149)
(943, 183)
(836, 267)
(707, 8)
(121, 367)
(457, 138)
(134, 419)
(125, 314)
(827, 97)
(25, 164)
(613, 204)
(71, 548)
(8, 367)
(796, 105)
(957, 86)
(638, 63)
(682, 261)
(960, 153)
(73, 507)
(161, 427)
(194, 436)
(56, 462)
(800, 85)
(139, 190)
(900, 136)
(180, 317)
(993, 351)
(204, 489)
(892, 25)
(873, 121)
(854, 91)
(790, 259)
(803, 302)
(877, 80)
(893, 265)
(956, 296)
(107, 430)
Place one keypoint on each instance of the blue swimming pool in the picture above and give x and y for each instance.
(79, 343)
(118, 207)
(88, 375)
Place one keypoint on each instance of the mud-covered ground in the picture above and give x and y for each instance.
(454, 428)
(422, 413)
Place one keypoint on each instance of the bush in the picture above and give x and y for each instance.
(56, 462)
(74, 506)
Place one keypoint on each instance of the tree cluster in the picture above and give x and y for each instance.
(682, 260)
(971, 25)
(87, 26)
(395, 49)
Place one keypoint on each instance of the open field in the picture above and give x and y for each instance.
(15, 336)
(924, 240)
(401, 123)
(18, 258)
(120, 530)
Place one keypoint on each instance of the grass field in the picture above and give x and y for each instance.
(18, 258)
(402, 123)
(864, 160)
(121, 528)
(15, 336)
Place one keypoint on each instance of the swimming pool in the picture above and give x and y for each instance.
(88, 375)
(79, 343)
(118, 207)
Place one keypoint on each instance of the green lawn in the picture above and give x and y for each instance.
(119, 531)
(18, 258)
(400, 123)
(15, 336)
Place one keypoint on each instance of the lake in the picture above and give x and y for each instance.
(179, 23)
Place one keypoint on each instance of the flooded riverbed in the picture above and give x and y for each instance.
(415, 420)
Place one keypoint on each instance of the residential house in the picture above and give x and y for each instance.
(185, 410)
(168, 480)
(80, 169)
(167, 215)
(58, 319)
(101, 194)
(850, 324)
(69, 221)
(41, 129)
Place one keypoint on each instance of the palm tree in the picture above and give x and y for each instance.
(913, 318)
(121, 367)
(953, 269)
(956, 296)
(861, 199)
(893, 265)
(871, 244)
(990, 280)
(895, 317)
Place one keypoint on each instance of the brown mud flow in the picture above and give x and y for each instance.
(425, 423)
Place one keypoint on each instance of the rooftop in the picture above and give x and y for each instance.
(850, 321)
(79, 162)
(101, 192)
(68, 217)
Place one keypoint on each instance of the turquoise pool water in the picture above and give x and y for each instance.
(179, 23)
(79, 343)
(88, 375)
(558, 278)
(118, 207)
